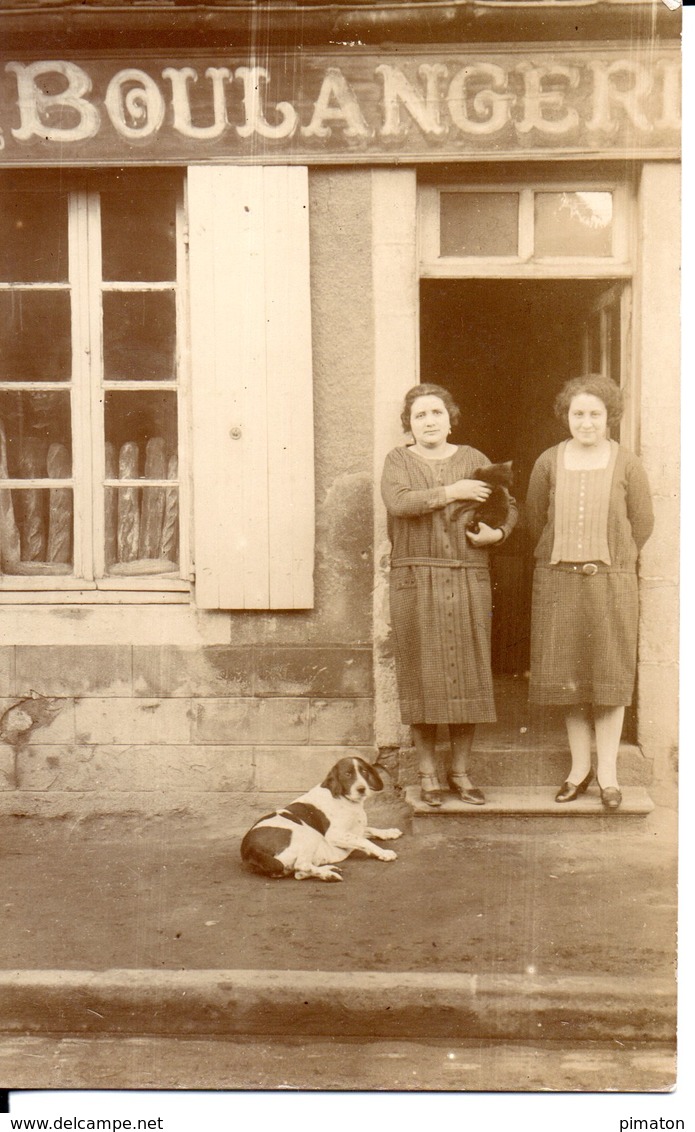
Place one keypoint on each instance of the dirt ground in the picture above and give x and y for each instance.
(137, 892)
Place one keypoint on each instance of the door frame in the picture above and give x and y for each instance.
(403, 253)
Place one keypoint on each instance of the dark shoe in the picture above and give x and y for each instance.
(611, 797)
(430, 790)
(464, 789)
(568, 791)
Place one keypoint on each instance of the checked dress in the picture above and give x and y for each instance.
(440, 595)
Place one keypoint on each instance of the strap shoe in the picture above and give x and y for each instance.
(464, 789)
(568, 791)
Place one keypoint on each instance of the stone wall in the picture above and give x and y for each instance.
(657, 387)
(133, 718)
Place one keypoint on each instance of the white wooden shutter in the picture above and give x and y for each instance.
(253, 455)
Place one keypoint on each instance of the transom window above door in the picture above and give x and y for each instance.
(546, 229)
(92, 494)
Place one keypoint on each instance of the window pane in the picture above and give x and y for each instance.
(35, 336)
(479, 224)
(131, 508)
(31, 425)
(139, 336)
(34, 244)
(36, 528)
(36, 533)
(573, 224)
(138, 236)
(141, 523)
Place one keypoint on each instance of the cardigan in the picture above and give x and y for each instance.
(413, 488)
(630, 510)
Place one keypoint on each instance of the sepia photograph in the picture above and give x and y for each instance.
(340, 417)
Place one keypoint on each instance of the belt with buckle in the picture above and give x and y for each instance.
(586, 568)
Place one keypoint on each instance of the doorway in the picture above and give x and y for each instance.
(504, 348)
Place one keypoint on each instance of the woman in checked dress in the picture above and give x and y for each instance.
(440, 592)
(589, 512)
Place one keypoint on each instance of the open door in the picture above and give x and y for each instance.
(505, 348)
(606, 341)
(606, 332)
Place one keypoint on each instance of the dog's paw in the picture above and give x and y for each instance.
(387, 855)
(390, 834)
(319, 872)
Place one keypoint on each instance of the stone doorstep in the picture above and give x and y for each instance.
(534, 765)
(535, 801)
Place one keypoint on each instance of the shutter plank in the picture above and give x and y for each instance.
(217, 465)
(253, 380)
(251, 371)
(290, 403)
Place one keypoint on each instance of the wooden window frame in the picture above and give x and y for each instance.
(87, 386)
(525, 265)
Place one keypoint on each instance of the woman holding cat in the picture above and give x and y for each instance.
(589, 512)
(440, 588)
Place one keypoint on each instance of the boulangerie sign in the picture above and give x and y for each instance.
(353, 104)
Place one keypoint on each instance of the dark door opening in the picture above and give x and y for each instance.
(504, 348)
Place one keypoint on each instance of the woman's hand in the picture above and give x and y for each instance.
(476, 491)
(486, 536)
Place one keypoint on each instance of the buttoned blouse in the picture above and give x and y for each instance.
(630, 510)
(581, 510)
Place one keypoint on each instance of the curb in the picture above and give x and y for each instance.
(357, 1004)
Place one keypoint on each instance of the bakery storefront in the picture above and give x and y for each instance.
(220, 269)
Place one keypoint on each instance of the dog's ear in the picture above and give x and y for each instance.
(370, 775)
(337, 778)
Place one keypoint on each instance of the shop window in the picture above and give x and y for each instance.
(90, 380)
(543, 229)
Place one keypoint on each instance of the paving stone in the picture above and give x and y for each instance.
(296, 770)
(341, 721)
(79, 670)
(132, 721)
(136, 768)
(321, 672)
(6, 671)
(209, 671)
(281, 720)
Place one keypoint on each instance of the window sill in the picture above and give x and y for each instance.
(94, 597)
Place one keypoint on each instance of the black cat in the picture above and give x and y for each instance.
(495, 510)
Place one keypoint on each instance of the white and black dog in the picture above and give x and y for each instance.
(324, 826)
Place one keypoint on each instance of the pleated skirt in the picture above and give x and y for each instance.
(583, 637)
(441, 622)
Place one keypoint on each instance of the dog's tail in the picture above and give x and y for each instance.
(259, 849)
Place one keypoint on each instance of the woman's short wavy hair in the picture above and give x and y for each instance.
(429, 390)
(597, 386)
